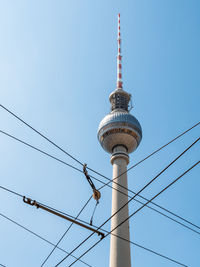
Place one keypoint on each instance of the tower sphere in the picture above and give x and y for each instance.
(119, 128)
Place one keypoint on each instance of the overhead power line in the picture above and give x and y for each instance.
(47, 241)
(148, 156)
(153, 203)
(143, 188)
(131, 242)
(39, 236)
(56, 245)
(132, 216)
(49, 209)
(61, 149)
(42, 135)
(11, 191)
(169, 185)
(41, 151)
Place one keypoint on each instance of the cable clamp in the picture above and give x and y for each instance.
(31, 202)
(102, 235)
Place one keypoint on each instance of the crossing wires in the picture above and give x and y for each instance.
(150, 182)
(107, 184)
(56, 245)
(133, 215)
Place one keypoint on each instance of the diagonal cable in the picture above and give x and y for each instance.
(13, 192)
(133, 215)
(151, 181)
(39, 236)
(17, 117)
(42, 135)
(148, 156)
(55, 246)
(71, 166)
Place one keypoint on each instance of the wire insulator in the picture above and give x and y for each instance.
(96, 195)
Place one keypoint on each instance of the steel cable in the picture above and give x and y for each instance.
(143, 188)
(132, 216)
(104, 184)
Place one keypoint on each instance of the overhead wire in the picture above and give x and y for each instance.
(133, 243)
(61, 249)
(61, 149)
(142, 203)
(132, 216)
(142, 189)
(39, 150)
(56, 245)
(89, 167)
(39, 236)
(42, 135)
(75, 159)
(104, 184)
(11, 191)
(145, 158)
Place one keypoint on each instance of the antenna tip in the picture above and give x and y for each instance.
(119, 15)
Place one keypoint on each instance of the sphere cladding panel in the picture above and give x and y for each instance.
(119, 128)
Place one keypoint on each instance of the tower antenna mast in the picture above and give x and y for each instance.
(119, 57)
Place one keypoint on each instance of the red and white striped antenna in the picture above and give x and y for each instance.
(119, 58)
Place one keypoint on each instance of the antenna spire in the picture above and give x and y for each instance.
(119, 58)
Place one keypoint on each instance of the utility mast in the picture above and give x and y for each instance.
(119, 134)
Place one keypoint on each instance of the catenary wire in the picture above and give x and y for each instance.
(69, 165)
(135, 213)
(42, 135)
(17, 117)
(125, 219)
(148, 156)
(71, 216)
(39, 150)
(142, 203)
(56, 245)
(158, 194)
(10, 191)
(143, 188)
(47, 241)
(39, 236)
(131, 242)
(63, 149)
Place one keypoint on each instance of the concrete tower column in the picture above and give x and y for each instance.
(120, 249)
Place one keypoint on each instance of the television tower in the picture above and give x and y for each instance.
(119, 134)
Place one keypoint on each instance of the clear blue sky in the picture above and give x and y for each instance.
(57, 69)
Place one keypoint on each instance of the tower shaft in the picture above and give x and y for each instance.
(120, 249)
